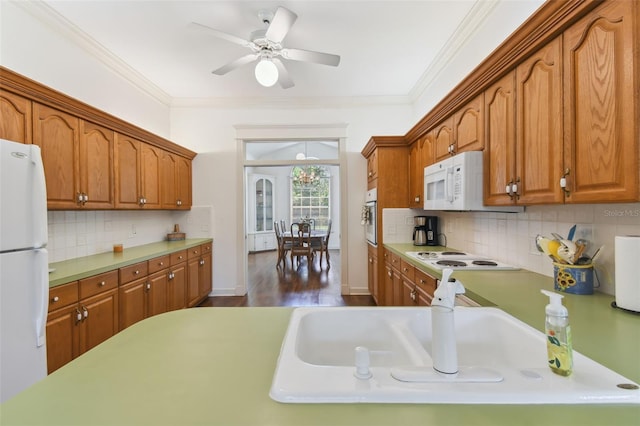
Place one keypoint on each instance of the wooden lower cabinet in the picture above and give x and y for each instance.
(372, 273)
(88, 317)
(84, 313)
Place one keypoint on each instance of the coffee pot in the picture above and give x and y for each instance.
(425, 231)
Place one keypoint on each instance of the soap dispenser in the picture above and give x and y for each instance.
(559, 352)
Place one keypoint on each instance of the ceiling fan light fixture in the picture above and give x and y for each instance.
(266, 72)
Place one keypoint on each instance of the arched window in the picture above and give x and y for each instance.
(311, 194)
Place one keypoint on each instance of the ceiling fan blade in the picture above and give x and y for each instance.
(224, 36)
(283, 75)
(310, 56)
(280, 25)
(236, 64)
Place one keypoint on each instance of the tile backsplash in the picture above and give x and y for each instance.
(82, 233)
(510, 237)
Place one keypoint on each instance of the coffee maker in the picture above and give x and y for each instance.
(425, 231)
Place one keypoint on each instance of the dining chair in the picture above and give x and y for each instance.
(284, 245)
(322, 246)
(301, 242)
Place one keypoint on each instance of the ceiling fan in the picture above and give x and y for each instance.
(267, 49)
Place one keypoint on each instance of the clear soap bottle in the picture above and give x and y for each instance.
(558, 331)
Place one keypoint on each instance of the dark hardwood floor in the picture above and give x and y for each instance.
(298, 286)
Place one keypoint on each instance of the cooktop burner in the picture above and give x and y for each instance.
(484, 263)
(451, 263)
(453, 253)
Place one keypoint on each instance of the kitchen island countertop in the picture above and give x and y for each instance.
(215, 366)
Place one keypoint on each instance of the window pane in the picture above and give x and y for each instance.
(291, 150)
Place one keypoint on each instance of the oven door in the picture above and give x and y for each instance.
(371, 232)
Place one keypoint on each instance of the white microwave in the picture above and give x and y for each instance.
(456, 184)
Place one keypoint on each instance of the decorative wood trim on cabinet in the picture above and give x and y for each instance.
(30, 89)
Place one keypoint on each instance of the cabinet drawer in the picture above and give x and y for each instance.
(393, 259)
(194, 252)
(407, 269)
(179, 256)
(98, 283)
(159, 263)
(425, 282)
(132, 272)
(63, 295)
(206, 248)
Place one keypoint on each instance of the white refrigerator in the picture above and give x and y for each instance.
(24, 280)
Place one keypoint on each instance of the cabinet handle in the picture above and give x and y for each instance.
(55, 299)
(178, 203)
(101, 284)
(161, 263)
(370, 260)
(85, 313)
(180, 257)
(148, 286)
(201, 262)
(389, 273)
(78, 316)
(82, 198)
(136, 272)
(413, 295)
(171, 275)
(370, 174)
(563, 182)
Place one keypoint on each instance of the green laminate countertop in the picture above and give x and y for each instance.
(87, 266)
(215, 366)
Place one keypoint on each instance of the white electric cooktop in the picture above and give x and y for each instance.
(458, 261)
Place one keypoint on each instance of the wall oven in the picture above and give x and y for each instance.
(369, 218)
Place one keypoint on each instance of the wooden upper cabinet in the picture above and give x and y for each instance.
(468, 126)
(601, 105)
(420, 156)
(150, 176)
(539, 153)
(372, 166)
(499, 156)
(137, 172)
(96, 166)
(127, 171)
(443, 139)
(58, 134)
(15, 121)
(176, 181)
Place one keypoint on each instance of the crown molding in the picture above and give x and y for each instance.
(469, 26)
(50, 17)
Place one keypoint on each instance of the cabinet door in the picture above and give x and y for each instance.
(100, 319)
(16, 116)
(127, 172)
(177, 287)
(62, 336)
(193, 281)
(499, 157)
(183, 183)
(150, 176)
(601, 105)
(428, 152)
(443, 140)
(157, 293)
(96, 165)
(416, 179)
(468, 126)
(372, 273)
(205, 279)
(372, 166)
(539, 126)
(169, 195)
(133, 302)
(57, 135)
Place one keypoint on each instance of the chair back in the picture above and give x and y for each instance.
(301, 234)
(326, 239)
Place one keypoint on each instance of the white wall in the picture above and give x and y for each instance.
(30, 47)
(510, 237)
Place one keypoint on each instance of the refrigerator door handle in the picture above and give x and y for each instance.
(39, 200)
(42, 281)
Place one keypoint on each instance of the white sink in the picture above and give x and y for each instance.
(317, 360)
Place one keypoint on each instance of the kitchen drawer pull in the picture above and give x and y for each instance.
(161, 263)
(136, 272)
(102, 283)
(55, 299)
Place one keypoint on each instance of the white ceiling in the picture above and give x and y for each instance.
(387, 48)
